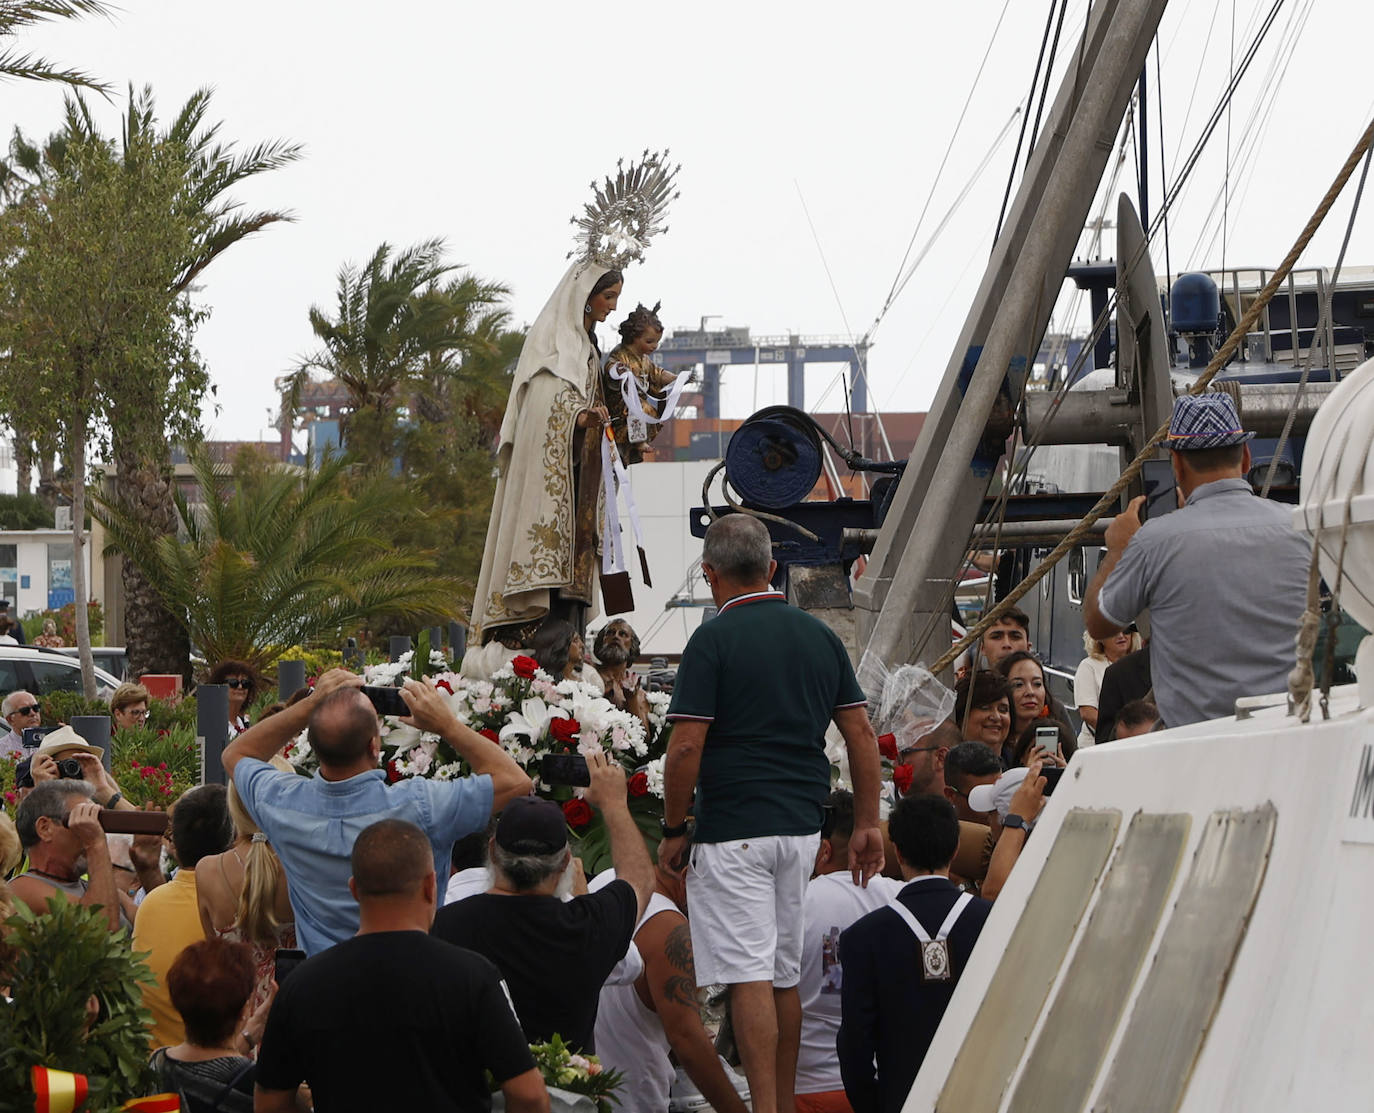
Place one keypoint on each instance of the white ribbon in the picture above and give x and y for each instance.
(615, 476)
(630, 389)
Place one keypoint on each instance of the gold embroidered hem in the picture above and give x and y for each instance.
(541, 541)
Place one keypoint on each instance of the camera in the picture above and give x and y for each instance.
(69, 769)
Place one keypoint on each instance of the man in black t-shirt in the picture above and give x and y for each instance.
(555, 955)
(444, 1012)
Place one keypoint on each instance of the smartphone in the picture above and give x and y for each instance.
(386, 700)
(32, 737)
(564, 769)
(1047, 738)
(125, 822)
(1161, 494)
(1051, 773)
(286, 961)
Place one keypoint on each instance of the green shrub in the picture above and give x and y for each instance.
(61, 960)
(317, 660)
(153, 765)
(60, 707)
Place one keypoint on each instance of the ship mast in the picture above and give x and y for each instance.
(903, 596)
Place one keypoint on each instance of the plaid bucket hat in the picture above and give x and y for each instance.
(1205, 421)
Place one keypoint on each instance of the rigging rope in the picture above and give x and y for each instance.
(1312, 350)
(1219, 360)
(1021, 135)
(892, 293)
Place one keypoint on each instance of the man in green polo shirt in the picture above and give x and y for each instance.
(756, 690)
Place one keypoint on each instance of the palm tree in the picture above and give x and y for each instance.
(400, 337)
(276, 556)
(19, 15)
(163, 405)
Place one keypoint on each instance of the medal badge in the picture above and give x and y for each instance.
(935, 962)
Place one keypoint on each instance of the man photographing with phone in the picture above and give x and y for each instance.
(312, 822)
(1224, 578)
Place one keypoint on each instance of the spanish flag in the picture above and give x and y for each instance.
(57, 1091)
(158, 1103)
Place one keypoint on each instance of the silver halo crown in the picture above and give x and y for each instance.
(626, 213)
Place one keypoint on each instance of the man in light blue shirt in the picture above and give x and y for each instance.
(1224, 577)
(312, 822)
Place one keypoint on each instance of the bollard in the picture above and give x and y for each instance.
(95, 729)
(290, 678)
(399, 644)
(457, 641)
(212, 730)
(436, 639)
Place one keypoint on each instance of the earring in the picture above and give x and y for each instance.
(587, 309)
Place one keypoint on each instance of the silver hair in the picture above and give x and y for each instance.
(10, 702)
(738, 548)
(50, 799)
(525, 872)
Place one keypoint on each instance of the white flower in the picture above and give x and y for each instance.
(421, 757)
(401, 736)
(654, 772)
(530, 721)
(586, 747)
(449, 772)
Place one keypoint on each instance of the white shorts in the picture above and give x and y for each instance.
(745, 903)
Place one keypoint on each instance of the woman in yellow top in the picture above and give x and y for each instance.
(631, 368)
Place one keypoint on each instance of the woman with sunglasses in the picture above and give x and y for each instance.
(243, 686)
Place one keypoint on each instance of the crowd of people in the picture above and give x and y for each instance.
(283, 916)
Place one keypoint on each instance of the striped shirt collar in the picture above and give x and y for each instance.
(751, 597)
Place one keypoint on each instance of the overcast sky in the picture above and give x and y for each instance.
(485, 123)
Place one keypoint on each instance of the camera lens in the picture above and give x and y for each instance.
(69, 769)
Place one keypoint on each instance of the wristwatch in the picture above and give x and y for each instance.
(1013, 820)
(114, 799)
(672, 832)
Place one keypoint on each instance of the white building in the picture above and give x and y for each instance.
(36, 569)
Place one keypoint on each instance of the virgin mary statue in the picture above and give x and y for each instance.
(539, 558)
(540, 554)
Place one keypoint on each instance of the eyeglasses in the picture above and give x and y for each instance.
(236, 682)
(32, 709)
(140, 714)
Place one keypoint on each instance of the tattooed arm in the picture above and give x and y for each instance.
(669, 987)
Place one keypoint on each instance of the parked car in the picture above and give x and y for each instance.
(41, 671)
(111, 658)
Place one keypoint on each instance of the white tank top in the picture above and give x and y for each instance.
(630, 1036)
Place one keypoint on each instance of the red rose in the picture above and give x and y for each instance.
(564, 730)
(489, 734)
(887, 746)
(638, 785)
(392, 773)
(578, 813)
(445, 685)
(524, 666)
(901, 777)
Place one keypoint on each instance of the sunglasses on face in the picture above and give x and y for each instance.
(235, 682)
(32, 709)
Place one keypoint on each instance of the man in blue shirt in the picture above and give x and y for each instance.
(1224, 577)
(312, 822)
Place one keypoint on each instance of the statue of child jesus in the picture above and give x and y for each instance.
(630, 376)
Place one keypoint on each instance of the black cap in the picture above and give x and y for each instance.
(23, 775)
(530, 825)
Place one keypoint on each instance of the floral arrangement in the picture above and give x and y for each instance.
(901, 775)
(576, 1074)
(530, 714)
